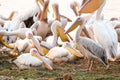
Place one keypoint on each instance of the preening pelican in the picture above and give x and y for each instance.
(63, 54)
(35, 42)
(88, 47)
(32, 60)
(41, 26)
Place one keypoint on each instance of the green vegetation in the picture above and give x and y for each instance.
(9, 71)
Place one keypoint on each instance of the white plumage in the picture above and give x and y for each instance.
(105, 34)
(27, 60)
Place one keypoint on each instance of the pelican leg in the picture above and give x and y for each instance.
(4, 43)
(90, 63)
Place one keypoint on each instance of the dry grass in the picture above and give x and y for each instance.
(9, 71)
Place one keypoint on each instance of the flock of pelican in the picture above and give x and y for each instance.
(35, 44)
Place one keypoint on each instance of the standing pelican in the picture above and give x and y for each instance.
(88, 47)
(32, 60)
(105, 34)
(74, 7)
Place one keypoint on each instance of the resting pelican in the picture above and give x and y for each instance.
(88, 47)
(32, 60)
(24, 45)
(63, 54)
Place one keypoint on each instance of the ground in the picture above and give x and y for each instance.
(9, 71)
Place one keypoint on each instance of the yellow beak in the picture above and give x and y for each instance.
(45, 50)
(90, 6)
(73, 51)
(74, 7)
(44, 62)
(5, 44)
(45, 10)
(60, 32)
(74, 25)
(41, 2)
(56, 11)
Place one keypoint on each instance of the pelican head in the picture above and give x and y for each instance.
(78, 21)
(35, 53)
(29, 34)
